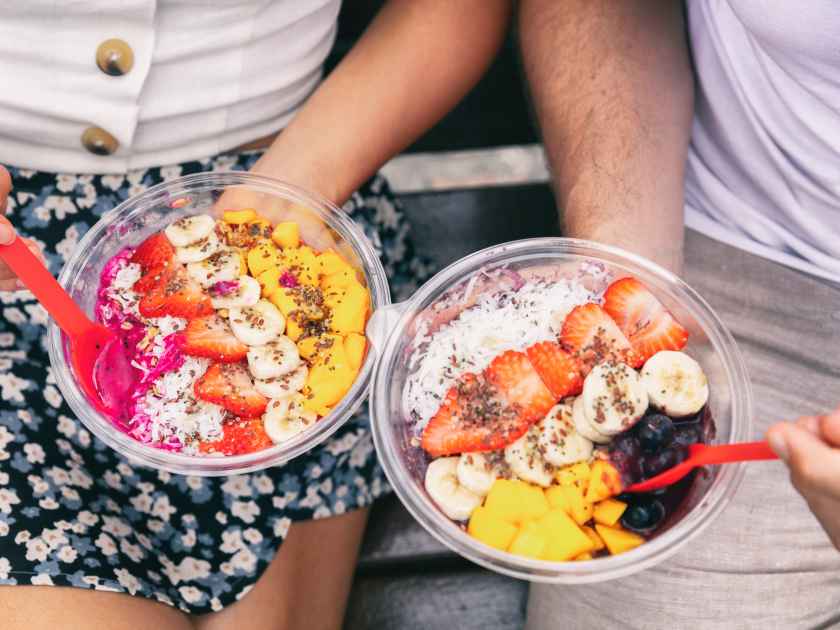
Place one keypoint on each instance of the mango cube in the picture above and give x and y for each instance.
(569, 475)
(238, 217)
(264, 255)
(608, 511)
(349, 309)
(574, 504)
(329, 378)
(529, 542)
(286, 235)
(355, 345)
(565, 539)
(270, 281)
(284, 300)
(516, 501)
(594, 537)
(331, 263)
(294, 330)
(488, 527)
(557, 498)
(605, 482)
(309, 347)
(339, 279)
(618, 540)
(583, 556)
(303, 263)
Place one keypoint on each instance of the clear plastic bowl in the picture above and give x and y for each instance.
(710, 343)
(322, 225)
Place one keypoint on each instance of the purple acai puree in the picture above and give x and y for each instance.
(289, 280)
(224, 287)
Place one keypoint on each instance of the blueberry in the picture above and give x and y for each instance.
(626, 443)
(655, 433)
(659, 462)
(685, 435)
(643, 515)
(628, 465)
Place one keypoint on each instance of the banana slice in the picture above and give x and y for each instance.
(675, 383)
(246, 293)
(476, 473)
(258, 324)
(614, 397)
(454, 500)
(583, 426)
(188, 230)
(526, 461)
(285, 418)
(274, 359)
(223, 266)
(283, 386)
(199, 250)
(560, 443)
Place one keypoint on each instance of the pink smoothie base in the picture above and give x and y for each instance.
(123, 389)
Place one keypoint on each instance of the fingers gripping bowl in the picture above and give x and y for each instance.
(229, 352)
(523, 333)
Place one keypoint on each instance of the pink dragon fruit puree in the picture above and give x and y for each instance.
(127, 388)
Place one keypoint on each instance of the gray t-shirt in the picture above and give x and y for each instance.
(764, 164)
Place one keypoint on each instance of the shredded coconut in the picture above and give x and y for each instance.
(120, 289)
(173, 410)
(504, 320)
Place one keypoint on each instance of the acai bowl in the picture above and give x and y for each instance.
(523, 387)
(241, 305)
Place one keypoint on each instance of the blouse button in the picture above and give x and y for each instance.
(114, 57)
(99, 142)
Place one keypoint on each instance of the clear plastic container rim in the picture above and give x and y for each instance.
(722, 489)
(333, 216)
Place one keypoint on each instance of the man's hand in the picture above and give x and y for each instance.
(811, 449)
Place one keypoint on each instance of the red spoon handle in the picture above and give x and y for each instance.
(725, 453)
(26, 266)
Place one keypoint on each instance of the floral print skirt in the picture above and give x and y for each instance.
(73, 512)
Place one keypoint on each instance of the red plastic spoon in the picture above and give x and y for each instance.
(96, 353)
(706, 455)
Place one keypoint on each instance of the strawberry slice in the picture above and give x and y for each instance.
(211, 337)
(472, 418)
(230, 385)
(643, 319)
(155, 251)
(593, 337)
(239, 436)
(175, 294)
(559, 370)
(150, 279)
(514, 376)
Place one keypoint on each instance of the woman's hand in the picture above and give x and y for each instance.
(8, 280)
(811, 449)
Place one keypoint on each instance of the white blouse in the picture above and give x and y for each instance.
(104, 86)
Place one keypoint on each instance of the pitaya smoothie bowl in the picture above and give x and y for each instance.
(243, 329)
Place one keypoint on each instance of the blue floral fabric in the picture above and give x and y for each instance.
(73, 512)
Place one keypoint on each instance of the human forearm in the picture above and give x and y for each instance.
(613, 90)
(415, 62)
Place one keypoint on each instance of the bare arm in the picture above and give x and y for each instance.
(413, 64)
(613, 90)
